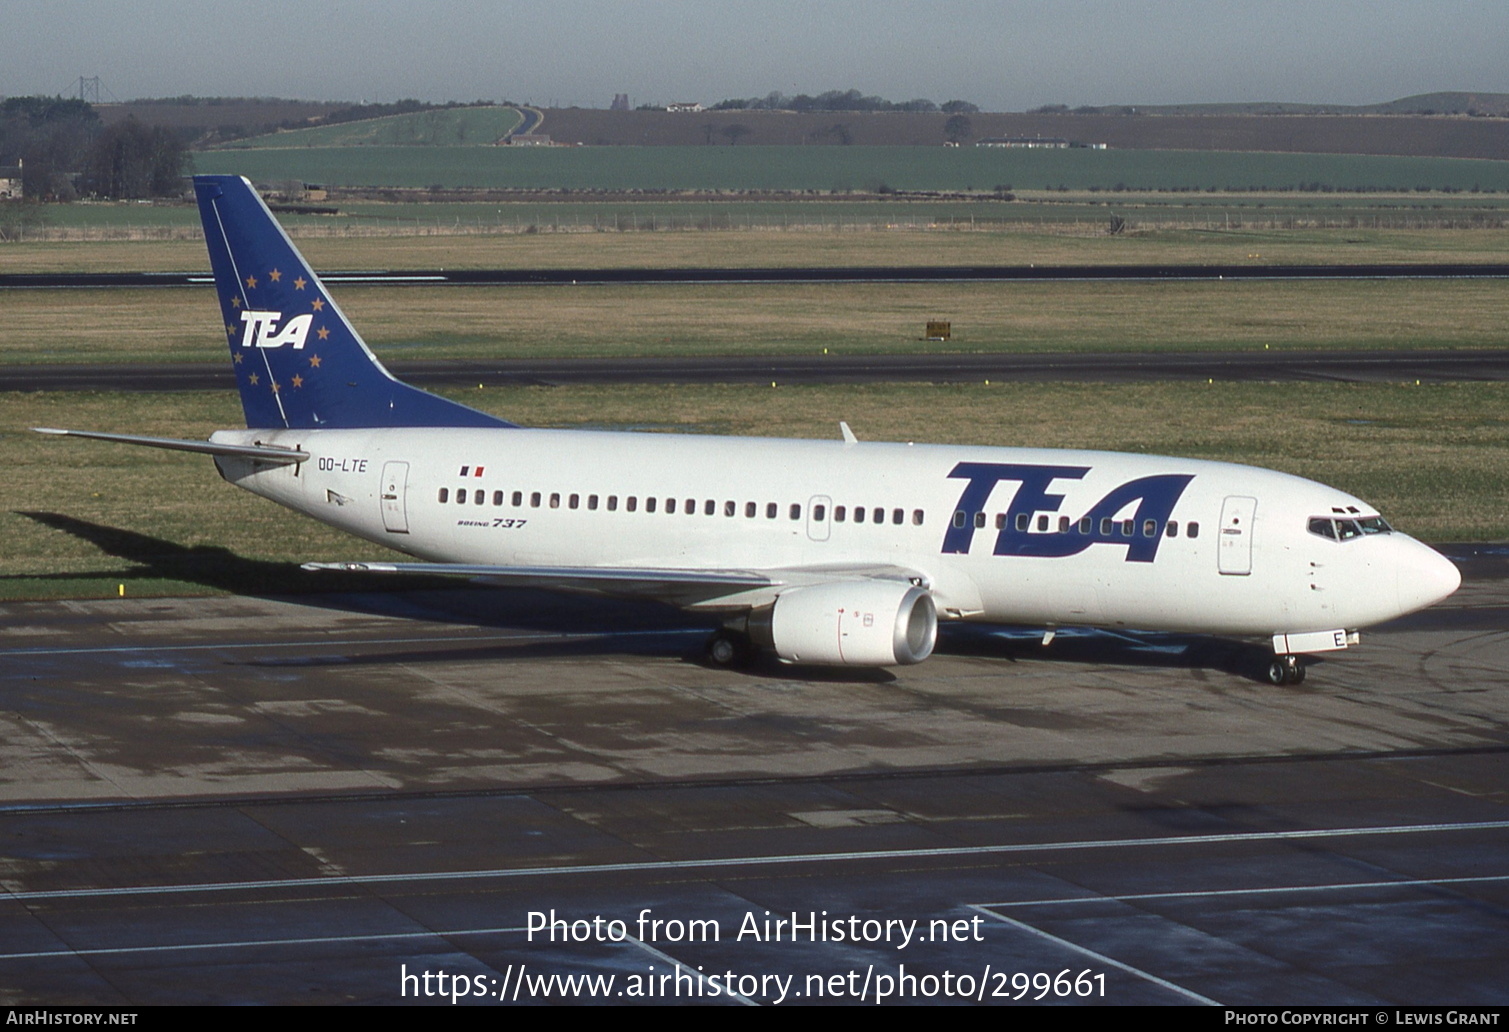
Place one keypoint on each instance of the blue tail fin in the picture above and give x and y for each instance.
(299, 363)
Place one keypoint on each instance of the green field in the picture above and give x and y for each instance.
(82, 518)
(178, 325)
(438, 127)
(843, 168)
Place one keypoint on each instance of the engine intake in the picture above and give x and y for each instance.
(869, 623)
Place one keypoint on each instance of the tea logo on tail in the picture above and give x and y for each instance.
(261, 330)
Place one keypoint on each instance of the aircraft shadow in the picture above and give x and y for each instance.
(438, 599)
(1245, 659)
(624, 626)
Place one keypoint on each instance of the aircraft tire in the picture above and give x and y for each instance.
(729, 649)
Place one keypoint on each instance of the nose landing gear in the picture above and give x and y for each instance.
(1286, 670)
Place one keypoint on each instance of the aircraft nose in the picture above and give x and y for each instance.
(1425, 577)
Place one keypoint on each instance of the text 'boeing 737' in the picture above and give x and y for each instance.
(825, 552)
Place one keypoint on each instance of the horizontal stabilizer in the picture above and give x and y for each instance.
(260, 452)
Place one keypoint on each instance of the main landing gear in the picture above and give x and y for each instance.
(729, 649)
(1286, 670)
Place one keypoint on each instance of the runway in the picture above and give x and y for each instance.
(1352, 366)
(338, 798)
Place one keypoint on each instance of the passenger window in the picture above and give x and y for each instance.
(859, 517)
(613, 503)
(1194, 529)
(555, 499)
(1149, 528)
(461, 496)
(979, 518)
(878, 516)
(1105, 526)
(1042, 522)
(749, 510)
(1086, 525)
(1128, 528)
(497, 497)
(770, 510)
(534, 500)
(1063, 524)
(897, 516)
(1022, 520)
(631, 503)
(1173, 528)
(709, 507)
(592, 502)
(445, 494)
(649, 504)
(796, 511)
(819, 512)
(729, 508)
(917, 517)
(574, 501)
(670, 506)
(1000, 521)
(839, 512)
(690, 508)
(518, 498)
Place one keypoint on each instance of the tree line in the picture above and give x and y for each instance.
(66, 152)
(840, 100)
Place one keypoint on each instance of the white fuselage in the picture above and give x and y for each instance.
(1028, 536)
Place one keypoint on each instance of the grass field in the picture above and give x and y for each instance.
(81, 518)
(182, 324)
(438, 127)
(844, 168)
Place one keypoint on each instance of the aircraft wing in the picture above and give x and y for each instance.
(689, 589)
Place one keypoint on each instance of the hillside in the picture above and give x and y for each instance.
(438, 127)
(1395, 135)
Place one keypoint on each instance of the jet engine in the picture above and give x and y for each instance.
(870, 623)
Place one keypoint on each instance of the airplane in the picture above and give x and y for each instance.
(837, 553)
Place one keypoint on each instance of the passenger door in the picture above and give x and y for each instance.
(1235, 551)
(395, 484)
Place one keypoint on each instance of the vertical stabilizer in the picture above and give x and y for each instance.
(299, 364)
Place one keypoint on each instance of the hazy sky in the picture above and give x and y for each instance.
(1007, 55)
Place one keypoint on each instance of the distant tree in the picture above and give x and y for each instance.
(958, 128)
(735, 132)
(958, 107)
(131, 160)
(50, 135)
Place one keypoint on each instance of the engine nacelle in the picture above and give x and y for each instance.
(870, 623)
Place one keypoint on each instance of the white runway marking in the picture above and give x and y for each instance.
(1188, 994)
(757, 861)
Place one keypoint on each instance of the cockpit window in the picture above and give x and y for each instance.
(1347, 529)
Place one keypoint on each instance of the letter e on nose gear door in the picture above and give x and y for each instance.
(395, 482)
(1236, 535)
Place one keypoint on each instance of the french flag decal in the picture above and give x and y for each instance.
(475, 471)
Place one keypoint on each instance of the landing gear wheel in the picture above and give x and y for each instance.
(728, 649)
(1286, 670)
